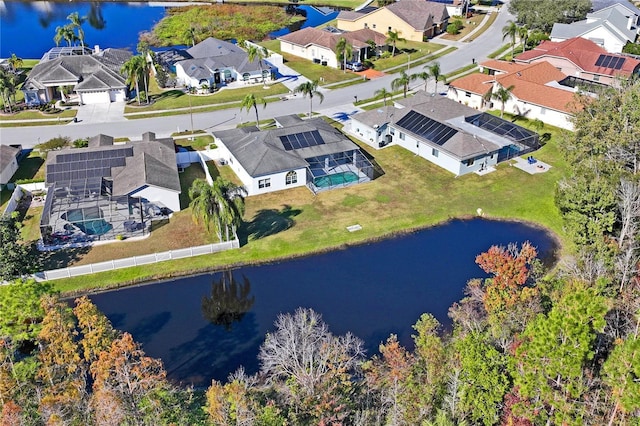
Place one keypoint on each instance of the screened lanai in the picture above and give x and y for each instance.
(338, 170)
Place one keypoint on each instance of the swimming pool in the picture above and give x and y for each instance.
(89, 221)
(335, 179)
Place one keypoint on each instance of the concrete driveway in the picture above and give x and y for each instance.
(101, 113)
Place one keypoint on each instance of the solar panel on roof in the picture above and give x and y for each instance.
(619, 63)
(600, 59)
(301, 140)
(426, 127)
(606, 61)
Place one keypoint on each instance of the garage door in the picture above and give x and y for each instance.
(95, 98)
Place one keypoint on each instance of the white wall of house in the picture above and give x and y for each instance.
(469, 99)
(118, 95)
(311, 52)
(8, 171)
(611, 44)
(367, 134)
(165, 196)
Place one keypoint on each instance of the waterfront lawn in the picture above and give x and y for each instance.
(412, 193)
(177, 99)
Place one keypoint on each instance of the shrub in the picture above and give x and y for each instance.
(452, 29)
(81, 143)
(120, 237)
(458, 23)
(55, 143)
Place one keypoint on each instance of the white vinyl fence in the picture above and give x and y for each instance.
(146, 259)
(13, 202)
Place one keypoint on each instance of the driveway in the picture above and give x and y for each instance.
(101, 113)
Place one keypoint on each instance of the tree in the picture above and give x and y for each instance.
(22, 312)
(310, 88)
(65, 33)
(7, 88)
(550, 367)
(250, 101)
(190, 35)
(76, 25)
(134, 69)
(96, 330)
(401, 82)
(313, 370)
(394, 38)
(502, 94)
(221, 203)
(16, 258)
(15, 62)
(257, 52)
(523, 34)
(343, 51)
(424, 76)
(541, 15)
(621, 371)
(510, 31)
(384, 93)
(434, 71)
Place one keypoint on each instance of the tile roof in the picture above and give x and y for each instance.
(261, 152)
(310, 35)
(503, 66)
(582, 53)
(535, 83)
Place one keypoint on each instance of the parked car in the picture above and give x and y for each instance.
(355, 66)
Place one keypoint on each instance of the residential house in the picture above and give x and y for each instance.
(94, 77)
(453, 136)
(319, 45)
(540, 91)
(414, 20)
(582, 59)
(297, 153)
(8, 162)
(109, 189)
(213, 63)
(612, 28)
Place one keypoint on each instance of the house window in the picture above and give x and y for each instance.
(392, 131)
(365, 25)
(434, 152)
(374, 26)
(401, 136)
(467, 94)
(596, 78)
(264, 183)
(469, 162)
(292, 177)
(543, 110)
(389, 30)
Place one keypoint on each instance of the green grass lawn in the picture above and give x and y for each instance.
(31, 168)
(412, 193)
(176, 99)
(38, 115)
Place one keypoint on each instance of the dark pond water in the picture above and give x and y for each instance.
(371, 290)
(27, 28)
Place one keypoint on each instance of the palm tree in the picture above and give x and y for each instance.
(134, 69)
(221, 203)
(15, 62)
(190, 35)
(510, 30)
(343, 51)
(373, 47)
(523, 34)
(401, 82)
(384, 93)
(394, 38)
(310, 88)
(434, 71)
(76, 24)
(7, 88)
(424, 75)
(503, 95)
(66, 33)
(250, 101)
(256, 52)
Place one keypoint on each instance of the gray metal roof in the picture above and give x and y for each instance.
(262, 152)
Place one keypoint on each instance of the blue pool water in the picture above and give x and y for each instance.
(335, 179)
(93, 224)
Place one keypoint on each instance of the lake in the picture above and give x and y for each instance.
(27, 28)
(372, 290)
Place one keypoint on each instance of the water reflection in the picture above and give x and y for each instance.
(229, 300)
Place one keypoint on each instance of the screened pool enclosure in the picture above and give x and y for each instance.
(338, 170)
(522, 140)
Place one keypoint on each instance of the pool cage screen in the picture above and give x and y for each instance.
(525, 139)
(83, 210)
(338, 170)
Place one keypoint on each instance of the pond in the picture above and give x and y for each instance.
(207, 326)
(27, 27)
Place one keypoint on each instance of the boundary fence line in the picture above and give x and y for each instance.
(109, 265)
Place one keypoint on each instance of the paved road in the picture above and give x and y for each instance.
(337, 102)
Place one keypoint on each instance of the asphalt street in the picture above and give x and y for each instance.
(336, 101)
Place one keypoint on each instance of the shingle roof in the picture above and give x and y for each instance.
(610, 19)
(582, 53)
(262, 152)
(352, 15)
(7, 154)
(212, 54)
(603, 4)
(420, 14)
(91, 71)
(310, 35)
